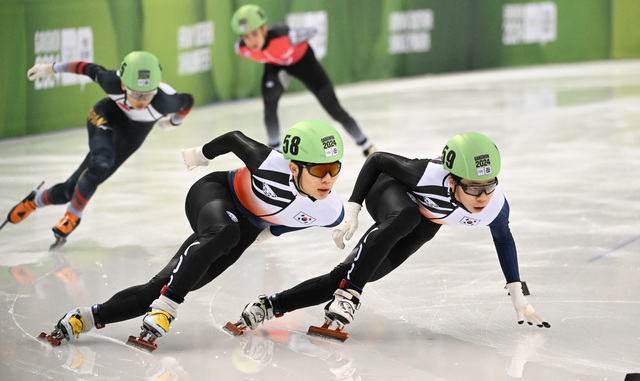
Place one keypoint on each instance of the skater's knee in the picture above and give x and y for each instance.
(271, 91)
(338, 273)
(101, 161)
(408, 217)
(225, 235)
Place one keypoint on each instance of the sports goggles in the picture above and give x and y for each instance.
(137, 95)
(321, 170)
(476, 190)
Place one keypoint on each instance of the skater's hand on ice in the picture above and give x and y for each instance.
(523, 309)
(193, 157)
(349, 224)
(39, 71)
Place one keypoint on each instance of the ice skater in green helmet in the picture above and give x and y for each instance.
(274, 193)
(286, 52)
(409, 200)
(117, 125)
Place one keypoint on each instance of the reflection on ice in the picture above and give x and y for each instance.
(569, 140)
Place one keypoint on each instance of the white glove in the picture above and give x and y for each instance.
(165, 123)
(348, 225)
(263, 236)
(193, 157)
(39, 71)
(524, 309)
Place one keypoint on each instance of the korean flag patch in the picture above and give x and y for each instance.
(304, 218)
(468, 221)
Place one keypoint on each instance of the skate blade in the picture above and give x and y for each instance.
(57, 245)
(234, 329)
(325, 332)
(141, 343)
(43, 336)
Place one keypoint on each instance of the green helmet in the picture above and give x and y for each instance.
(247, 19)
(312, 141)
(471, 156)
(140, 71)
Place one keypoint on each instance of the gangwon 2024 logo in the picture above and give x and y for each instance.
(483, 165)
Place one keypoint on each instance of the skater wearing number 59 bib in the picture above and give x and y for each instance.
(409, 199)
(117, 126)
(275, 193)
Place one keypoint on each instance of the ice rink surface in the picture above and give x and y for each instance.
(569, 136)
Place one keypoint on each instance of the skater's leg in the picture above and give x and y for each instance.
(272, 89)
(38, 198)
(134, 301)
(396, 216)
(109, 147)
(111, 142)
(397, 219)
(313, 291)
(63, 192)
(219, 230)
(405, 247)
(248, 234)
(101, 159)
(309, 71)
(217, 235)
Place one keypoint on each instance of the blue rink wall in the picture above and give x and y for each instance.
(357, 40)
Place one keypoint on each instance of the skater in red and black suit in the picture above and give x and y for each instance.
(285, 51)
(117, 126)
(409, 201)
(275, 193)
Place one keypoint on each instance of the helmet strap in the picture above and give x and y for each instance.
(453, 192)
(297, 183)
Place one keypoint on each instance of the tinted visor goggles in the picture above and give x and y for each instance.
(321, 170)
(477, 189)
(137, 95)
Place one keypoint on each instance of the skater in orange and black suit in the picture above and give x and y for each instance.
(286, 51)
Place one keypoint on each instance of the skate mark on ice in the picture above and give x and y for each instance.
(614, 249)
(36, 339)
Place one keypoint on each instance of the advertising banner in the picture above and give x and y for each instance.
(356, 40)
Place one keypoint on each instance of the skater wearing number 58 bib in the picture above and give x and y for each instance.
(410, 200)
(275, 193)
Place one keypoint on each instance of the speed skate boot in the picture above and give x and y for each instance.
(253, 314)
(339, 310)
(367, 147)
(155, 324)
(63, 228)
(24, 208)
(71, 326)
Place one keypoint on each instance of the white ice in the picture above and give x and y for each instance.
(570, 140)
